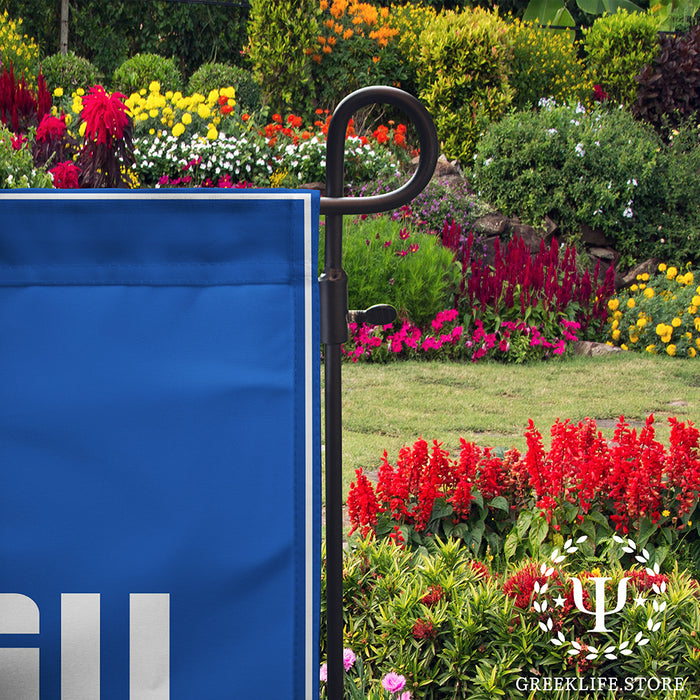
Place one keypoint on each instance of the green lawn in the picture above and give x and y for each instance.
(387, 406)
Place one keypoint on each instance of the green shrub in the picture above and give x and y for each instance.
(138, 72)
(388, 263)
(463, 72)
(357, 46)
(546, 64)
(69, 72)
(669, 87)
(18, 49)
(455, 630)
(281, 38)
(17, 169)
(617, 48)
(214, 76)
(598, 169)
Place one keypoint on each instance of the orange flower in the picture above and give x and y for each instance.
(338, 8)
(347, 33)
(323, 5)
(327, 49)
(245, 117)
(332, 40)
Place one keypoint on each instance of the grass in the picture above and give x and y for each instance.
(387, 406)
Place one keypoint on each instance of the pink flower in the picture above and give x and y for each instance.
(348, 659)
(324, 673)
(65, 176)
(405, 696)
(51, 128)
(104, 115)
(393, 682)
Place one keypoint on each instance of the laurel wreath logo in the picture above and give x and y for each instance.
(612, 651)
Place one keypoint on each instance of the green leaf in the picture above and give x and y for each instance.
(646, 529)
(612, 6)
(591, 7)
(523, 524)
(538, 533)
(543, 11)
(500, 503)
(511, 544)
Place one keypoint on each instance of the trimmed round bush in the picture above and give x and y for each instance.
(69, 72)
(139, 71)
(214, 76)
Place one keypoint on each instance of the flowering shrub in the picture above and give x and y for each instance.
(454, 628)
(512, 503)
(593, 168)
(18, 51)
(17, 168)
(356, 47)
(543, 290)
(659, 314)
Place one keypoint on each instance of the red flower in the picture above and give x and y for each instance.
(105, 115)
(362, 505)
(65, 176)
(51, 129)
(423, 629)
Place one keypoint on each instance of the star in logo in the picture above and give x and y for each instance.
(559, 601)
(639, 601)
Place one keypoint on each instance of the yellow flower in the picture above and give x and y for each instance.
(665, 513)
(691, 352)
(661, 329)
(617, 315)
(671, 273)
(692, 309)
(662, 267)
(178, 129)
(82, 129)
(641, 322)
(80, 92)
(186, 118)
(671, 350)
(154, 86)
(676, 322)
(695, 301)
(651, 349)
(624, 347)
(203, 111)
(615, 324)
(630, 303)
(634, 287)
(58, 92)
(616, 335)
(613, 304)
(649, 292)
(212, 134)
(645, 277)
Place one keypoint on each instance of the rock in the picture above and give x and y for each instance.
(593, 236)
(588, 348)
(648, 266)
(602, 253)
(531, 236)
(492, 225)
(445, 169)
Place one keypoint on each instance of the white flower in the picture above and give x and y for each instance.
(579, 150)
(488, 162)
(628, 213)
(552, 132)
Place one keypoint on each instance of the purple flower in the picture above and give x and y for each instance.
(393, 682)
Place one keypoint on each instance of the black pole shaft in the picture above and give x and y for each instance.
(333, 288)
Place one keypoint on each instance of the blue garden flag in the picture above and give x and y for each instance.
(159, 445)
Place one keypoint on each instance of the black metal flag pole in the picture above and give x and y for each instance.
(333, 285)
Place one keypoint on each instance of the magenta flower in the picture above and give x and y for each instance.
(348, 659)
(393, 682)
(65, 176)
(105, 115)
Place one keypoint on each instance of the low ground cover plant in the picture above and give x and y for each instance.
(658, 314)
(454, 627)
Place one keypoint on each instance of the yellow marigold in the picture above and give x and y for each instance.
(665, 513)
(212, 133)
(695, 301)
(645, 277)
(634, 338)
(671, 272)
(649, 292)
(613, 304)
(661, 329)
(651, 349)
(624, 347)
(154, 86)
(691, 352)
(178, 129)
(58, 92)
(676, 323)
(662, 267)
(203, 111)
(616, 335)
(617, 315)
(323, 5)
(671, 350)
(630, 303)
(615, 324)
(641, 322)
(634, 288)
(696, 323)
(692, 309)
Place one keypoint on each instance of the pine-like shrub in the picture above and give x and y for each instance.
(669, 87)
(546, 64)
(281, 38)
(617, 48)
(464, 73)
(214, 76)
(139, 71)
(69, 72)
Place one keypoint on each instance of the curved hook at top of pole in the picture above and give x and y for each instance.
(334, 202)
